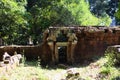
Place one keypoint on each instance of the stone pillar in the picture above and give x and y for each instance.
(72, 41)
(51, 44)
(52, 39)
(54, 52)
(69, 52)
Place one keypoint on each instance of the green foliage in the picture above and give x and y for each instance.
(23, 58)
(99, 7)
(116, 78)
(110, 57)
(113, 58)
(117, 14)
(11, 19)
(105, 21)
(102, 10)
(31, 71)
(19, 20)
(39, 18)
(83, 16)
(105, 70)
(81, 13)
(47, 13)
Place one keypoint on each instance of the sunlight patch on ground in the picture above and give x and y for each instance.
(28, 72)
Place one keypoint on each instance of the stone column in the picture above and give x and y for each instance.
(54, 55)
(72, 41)
(54, 52)
(69, 52)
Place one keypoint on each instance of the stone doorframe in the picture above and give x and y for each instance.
(72, 41)
(70, 50)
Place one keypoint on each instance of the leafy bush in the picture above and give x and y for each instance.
(105, 70)
(23, 59)
(113, 57)
(116, 78)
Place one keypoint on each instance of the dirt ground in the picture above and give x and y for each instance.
(33, 72)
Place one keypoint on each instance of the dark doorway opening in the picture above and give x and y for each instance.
(62, 52)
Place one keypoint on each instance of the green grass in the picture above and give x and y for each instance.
(31, 71)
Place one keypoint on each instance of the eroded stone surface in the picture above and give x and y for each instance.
(86, 43)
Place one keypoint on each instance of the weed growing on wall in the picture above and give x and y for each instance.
(38, 62)
(23, 59)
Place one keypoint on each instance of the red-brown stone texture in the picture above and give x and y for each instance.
(30, 52)
(94, 41)
(91, 42)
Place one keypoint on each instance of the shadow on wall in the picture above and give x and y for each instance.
(91, 42)
(30, 52)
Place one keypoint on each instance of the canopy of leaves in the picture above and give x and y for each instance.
(82, 15)
(20, 19)
(104, 8)
(11, 19)
(118, 14)
(99, 7)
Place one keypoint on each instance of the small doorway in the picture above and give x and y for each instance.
(62, 54)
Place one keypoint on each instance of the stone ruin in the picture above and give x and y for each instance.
(10, 62)
(69, 44)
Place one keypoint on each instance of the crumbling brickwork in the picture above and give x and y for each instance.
(83, 43)
(94, 41)
(30, 52)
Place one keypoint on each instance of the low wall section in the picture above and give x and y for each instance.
(30, 52)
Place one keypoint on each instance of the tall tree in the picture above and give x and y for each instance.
(83, 16)
(99, 7)
(117, 14)
(39, 17)
(112, 7)
(103, 8)
(11, 19)
(47, 13)
(17, 23)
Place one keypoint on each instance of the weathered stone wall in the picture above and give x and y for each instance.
(94, 41)
(30, 52)
(91, 42)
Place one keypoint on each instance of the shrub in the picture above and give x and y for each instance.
(105, 70)
(23, 59)
(113, 57)
(116, 78)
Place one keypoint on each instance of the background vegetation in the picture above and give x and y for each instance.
(20, 19)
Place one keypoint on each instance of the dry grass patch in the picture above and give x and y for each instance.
(32, 72)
